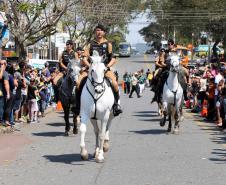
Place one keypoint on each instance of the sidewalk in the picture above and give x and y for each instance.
(17, 126)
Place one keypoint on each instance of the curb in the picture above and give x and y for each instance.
(6, 130)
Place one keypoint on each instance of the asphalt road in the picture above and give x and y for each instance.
(141, 152)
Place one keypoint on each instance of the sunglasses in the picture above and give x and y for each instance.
(68, 44)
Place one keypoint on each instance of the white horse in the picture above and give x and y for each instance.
(97, 100)
(172, 95)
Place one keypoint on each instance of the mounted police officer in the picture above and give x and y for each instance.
(103, 47)
(67, 55)
(162, 67)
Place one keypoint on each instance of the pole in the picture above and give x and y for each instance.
(50, 48)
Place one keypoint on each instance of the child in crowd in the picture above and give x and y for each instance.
(32, 101)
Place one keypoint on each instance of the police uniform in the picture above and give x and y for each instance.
(104, 48)
(66, 57)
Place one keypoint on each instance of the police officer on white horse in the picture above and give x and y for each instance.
(104, 48)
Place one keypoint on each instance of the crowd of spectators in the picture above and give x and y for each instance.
(207, 92)
(25, 92)
(136, 82)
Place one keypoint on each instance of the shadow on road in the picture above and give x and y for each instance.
(147, 114)
(49, 134)
(220, 156)
(65, 158)
(56, 124)
(151, 120)
(216, 136)
(152, 131)
(143, 62)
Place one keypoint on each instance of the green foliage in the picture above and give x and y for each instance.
(31, 8)
(187, 17)
(116, 38)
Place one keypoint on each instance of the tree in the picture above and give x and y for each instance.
(32, 20)
(189, 18)
(81, 19)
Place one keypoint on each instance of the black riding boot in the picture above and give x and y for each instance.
(116, 107)
(76, 109)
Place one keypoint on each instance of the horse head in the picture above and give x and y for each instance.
(174, 63)
(97, 72)
(73, 70)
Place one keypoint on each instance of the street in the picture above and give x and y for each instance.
(141, 152)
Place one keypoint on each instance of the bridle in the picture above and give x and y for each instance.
(100, 94)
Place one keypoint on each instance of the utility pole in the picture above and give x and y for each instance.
(50, 48)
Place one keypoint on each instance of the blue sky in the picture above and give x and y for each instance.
(133, 36)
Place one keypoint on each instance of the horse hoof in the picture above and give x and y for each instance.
(169, 130)
(162, 123)
(99, 160)
(176, 132)
(66, 133)
(85, 157)
(106, 146)
(182, 118)
(75, 130)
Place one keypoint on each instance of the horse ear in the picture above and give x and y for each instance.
(95, 53)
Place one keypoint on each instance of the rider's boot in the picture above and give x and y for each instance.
(73, 100)
(76, 108)
(116, 107)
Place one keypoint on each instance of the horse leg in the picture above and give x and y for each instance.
(170, 121)
(163, 120)
(84, 152)
(75, 122)
(181, 113)
(104, 122)
(96, 131)
(66, 118)
(177, 121)
(107, 138)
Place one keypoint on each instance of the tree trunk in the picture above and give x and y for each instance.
(20, 50)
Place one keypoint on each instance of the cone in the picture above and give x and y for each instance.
(204, 109)
(59, 106)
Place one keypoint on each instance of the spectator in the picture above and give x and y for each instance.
(219, 80)
(4, 89)
(19, 83)
(141, 82)
(32, 102)
(127, 80)
(134, 82)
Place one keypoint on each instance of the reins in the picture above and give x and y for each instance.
(95, 84)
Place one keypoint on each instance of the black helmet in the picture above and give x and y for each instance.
(69, 42)
(100, 26)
